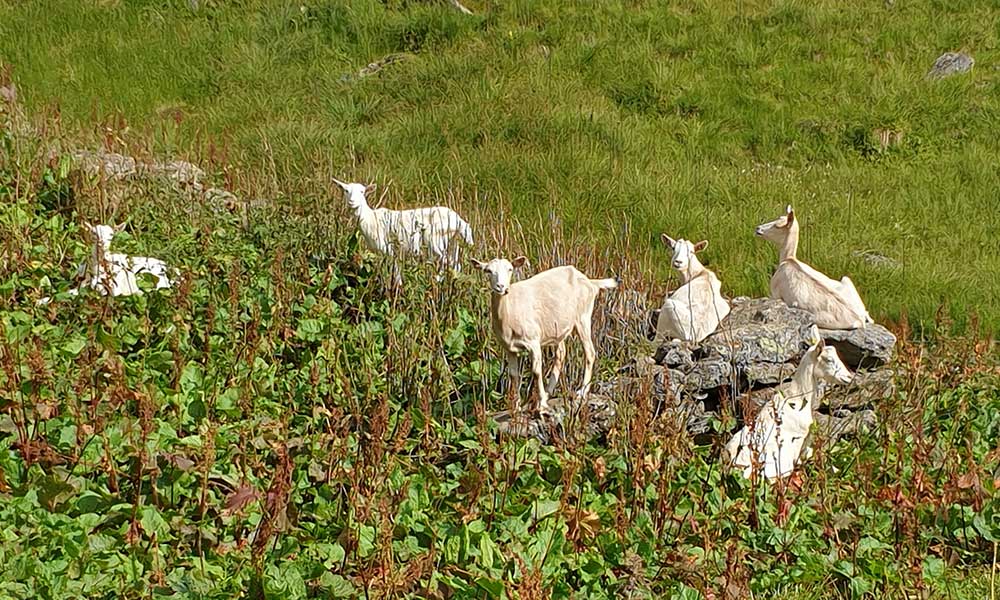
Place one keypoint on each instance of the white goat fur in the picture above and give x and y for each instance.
(542, 311)
(833, 304)
(113, 273)
(417, 231)
(772, 443)
(694, 310)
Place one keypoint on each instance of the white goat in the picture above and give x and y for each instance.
(834, 304)
(694, 310)
(542, 311)
(418, 231)
(772, 443)
(112, 273)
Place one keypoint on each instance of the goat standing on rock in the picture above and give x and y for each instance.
(417, 231)
(694, 310)
(542, 311)
(834, 304)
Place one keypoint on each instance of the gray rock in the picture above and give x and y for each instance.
(116, 166)
(376, 66)
(522, 425)
(709, 374)
(760, 330)
(8, 93)
(461, 8)
(663, 390)
(768, 373)
(220, 200)
(179, 171)
(951, 63)
(674, 353)
(759, 344)
(876, 260)
(868, 389)
(830, 429)
(112, 165)
(588, 418)
(865, 348)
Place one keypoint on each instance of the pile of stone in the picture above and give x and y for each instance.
(186, 177)
(756, 348)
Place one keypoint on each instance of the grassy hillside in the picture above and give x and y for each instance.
(698, 118)
(285, 424)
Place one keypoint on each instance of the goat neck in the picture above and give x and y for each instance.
(498, 306)
(803, 383)
(790, 244)
(100, 256)
(693, 270)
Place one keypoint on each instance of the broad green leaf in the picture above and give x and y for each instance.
(933, 568)
(366, 540)
(493, 587)
(309, 330)
(192, 378)
(686, 593)
(543, 508)
(75, 345)
(152, 522)
(336, 585)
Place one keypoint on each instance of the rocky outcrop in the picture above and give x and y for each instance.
(760, 344)
(118, 167)
(866, 348)
(757, 347)
(181, 175)
(574, 416)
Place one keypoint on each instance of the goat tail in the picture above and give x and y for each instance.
(605, 284)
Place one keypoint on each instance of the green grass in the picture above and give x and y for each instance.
(697, 118)
(283, 424)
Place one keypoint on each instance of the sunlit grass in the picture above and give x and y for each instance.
(696, 118)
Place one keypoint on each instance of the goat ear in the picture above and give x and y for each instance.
(667, 240)
(820, 345)
(479, 265)
(370, 188)
(339, 182)
(701, 245)
(519, 262)
(119, 228)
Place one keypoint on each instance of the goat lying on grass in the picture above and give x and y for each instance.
(834, 304)
(113, 273)
(694, 310)
(772, 443)
(417, 231)
(542, 311)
